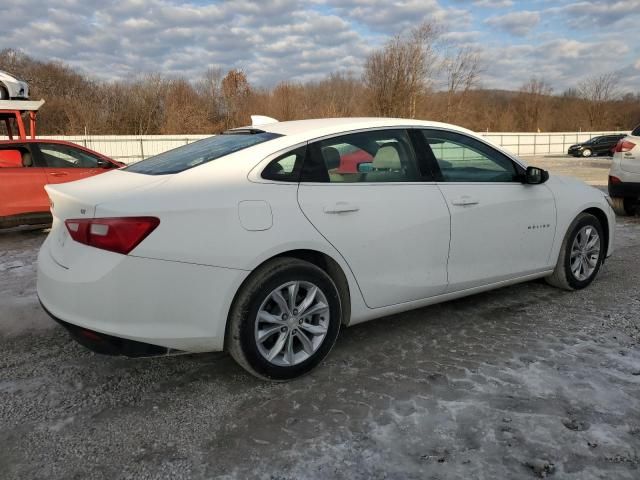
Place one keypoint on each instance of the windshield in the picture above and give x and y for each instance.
(198, 153)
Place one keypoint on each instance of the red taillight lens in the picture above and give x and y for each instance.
(120, 235)
(614, 180)
(624, 146)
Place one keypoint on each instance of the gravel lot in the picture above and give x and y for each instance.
(524, 382)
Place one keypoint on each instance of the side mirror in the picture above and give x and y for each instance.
(365, 167)
(105, 164)
(535, 176)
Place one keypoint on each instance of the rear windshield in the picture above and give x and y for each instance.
(636, 131)
(198, 153)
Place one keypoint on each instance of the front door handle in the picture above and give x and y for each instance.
(59, 174)
(465, 200)
(341, 207)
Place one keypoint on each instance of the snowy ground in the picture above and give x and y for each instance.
(523, 382)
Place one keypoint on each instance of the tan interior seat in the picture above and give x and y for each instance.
(386, 165)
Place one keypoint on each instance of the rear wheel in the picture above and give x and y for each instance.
(587, 152)
(581, 254)
(624, 206)
(4, 93)
(285, 320)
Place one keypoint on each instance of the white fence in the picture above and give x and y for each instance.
(130, 148)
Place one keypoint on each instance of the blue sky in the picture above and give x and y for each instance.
(561, 41)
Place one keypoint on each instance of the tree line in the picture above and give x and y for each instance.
(414, 75)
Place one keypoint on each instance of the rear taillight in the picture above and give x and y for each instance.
(120, 235)
(624, 146)
(613, 180)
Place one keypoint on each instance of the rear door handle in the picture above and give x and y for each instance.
(59, 174)
(465, 200)
(341, 207)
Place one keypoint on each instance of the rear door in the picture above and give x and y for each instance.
(388, 221)
(64, 163)
(21, 182)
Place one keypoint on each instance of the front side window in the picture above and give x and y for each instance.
(200, 152)
(464, 159)
(61, 156)
(373, 156)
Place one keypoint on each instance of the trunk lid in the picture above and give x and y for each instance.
(79, 200)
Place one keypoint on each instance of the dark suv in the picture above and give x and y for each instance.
(602, 145)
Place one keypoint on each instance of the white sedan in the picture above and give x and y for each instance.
(12, 87)
(266, 240)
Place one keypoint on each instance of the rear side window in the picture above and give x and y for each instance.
(636, 131)
(287, 167)
(198, 153)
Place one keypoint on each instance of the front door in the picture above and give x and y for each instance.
(500, 227)
(388, 221)
(64, 163)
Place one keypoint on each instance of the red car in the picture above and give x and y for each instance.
(27, 165)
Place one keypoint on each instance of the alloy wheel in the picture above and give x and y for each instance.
(292, 323)
(585, 252)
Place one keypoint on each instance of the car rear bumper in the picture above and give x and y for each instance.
(162, 304)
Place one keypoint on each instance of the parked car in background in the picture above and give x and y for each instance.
(26, 166)
(602, 145)
(624, 174)
(254, 242)
(11, 87)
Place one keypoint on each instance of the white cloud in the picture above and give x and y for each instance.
(493, 3)
(516, 23)
(301, 40)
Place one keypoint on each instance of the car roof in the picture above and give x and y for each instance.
(330, 126)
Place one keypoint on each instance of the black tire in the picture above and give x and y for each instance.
(587, 152)
(562, 277)
(624, 207)
(4, 93)
(241, 338)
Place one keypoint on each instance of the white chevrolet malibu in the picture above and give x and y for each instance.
(264, 241)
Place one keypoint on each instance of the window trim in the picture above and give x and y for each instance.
(518, 166)
(311, 147)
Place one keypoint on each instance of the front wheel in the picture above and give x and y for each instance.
(581, 254)
(284, 320)
(587, 152)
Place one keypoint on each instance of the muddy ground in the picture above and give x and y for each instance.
(523, 382)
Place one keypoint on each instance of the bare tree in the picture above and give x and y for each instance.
(398, 73)
(532, 103)
(235, 93)
(209, 88)
(596, 92)
(462, 70)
